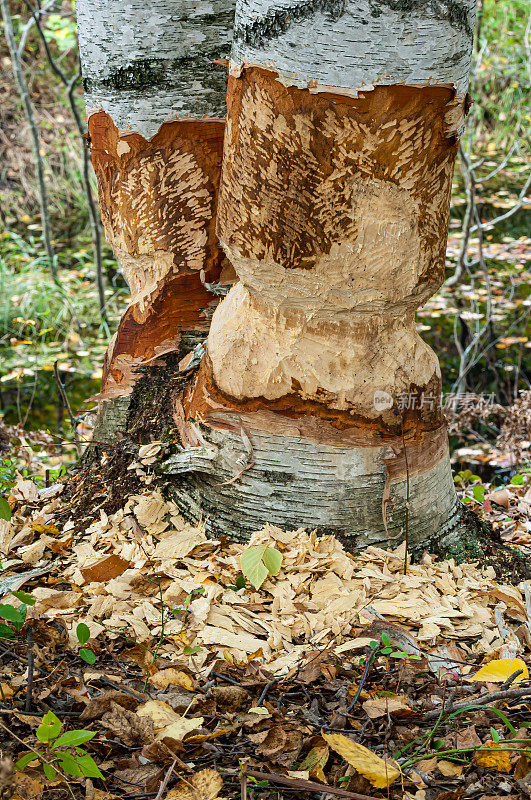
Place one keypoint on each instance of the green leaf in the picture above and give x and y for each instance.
(386, 650)
(479, 493)
(191, 650)
(26, 759)
(373, 644)
(258, 562)
(88, 767)
(49, 729)
(73, 738)
(6, 632)
(5, 510)
(495, 735)
(13, 614)
(83, 633)
(49, 771)
(517, 480)
(87, 655)
(69, 765)
(386, 641)
(24, 597)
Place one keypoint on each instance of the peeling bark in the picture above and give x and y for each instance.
(333, 211)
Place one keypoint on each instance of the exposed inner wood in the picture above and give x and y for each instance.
(158, 201)
(333, 212)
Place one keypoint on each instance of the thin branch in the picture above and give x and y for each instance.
(70, 85)
(39, 167)
(485, 226)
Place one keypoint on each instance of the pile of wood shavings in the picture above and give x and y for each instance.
(322, 598)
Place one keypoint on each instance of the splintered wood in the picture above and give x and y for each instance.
(126, 569)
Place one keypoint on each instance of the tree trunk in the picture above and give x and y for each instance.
(317, 403)
(156, 108)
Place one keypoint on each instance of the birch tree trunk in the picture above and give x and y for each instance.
(317, 403)
(156, 106)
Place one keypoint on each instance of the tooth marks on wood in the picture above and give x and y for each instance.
(297, 166)
(158, 200)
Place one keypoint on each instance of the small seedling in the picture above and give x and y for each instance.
(385, 648)
(63, 753)
(5, 509)
(238, 584)
(83, 635)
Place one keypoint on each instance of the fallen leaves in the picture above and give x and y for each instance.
(204, 785)
(166, 723)
(381, 706)
(500, 669)
(172, 677)
(378, 772)
(494, 756)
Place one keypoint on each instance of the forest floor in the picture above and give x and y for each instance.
(140, 661)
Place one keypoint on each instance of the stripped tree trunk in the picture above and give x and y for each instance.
(156, 108)
(343, 125)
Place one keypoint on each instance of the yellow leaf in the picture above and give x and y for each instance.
(315, 760)
(494, 757)
(498, 671)
(7, 691)
(449, 769)
(204, 785)
(172, 677)
(378, 772)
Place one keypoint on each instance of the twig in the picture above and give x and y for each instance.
(67, 404)
(39, 167)
(299, 783)
(265, 690)
(406, 541)
(31, 662)
(243, 782)
(166, 780)
(484, 699)
(368, 662)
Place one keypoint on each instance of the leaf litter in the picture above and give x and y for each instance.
(197, 672)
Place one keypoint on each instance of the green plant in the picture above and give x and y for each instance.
(16, 616)
(83, 635)
(385, 648)
(62, 753)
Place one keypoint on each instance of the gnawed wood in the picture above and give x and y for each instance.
(158, 203)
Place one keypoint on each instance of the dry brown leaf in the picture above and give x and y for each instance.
(204, 785)
(393, 705)
(172, 677)
(231, 698)
(105, 569)
(315, 761)
(180, 544)
(494, 757)
(501, 497)
(378, 772)
(26, 788)
(131, 729)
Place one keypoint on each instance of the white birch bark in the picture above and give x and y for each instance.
(357, 44)
(145, 63)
